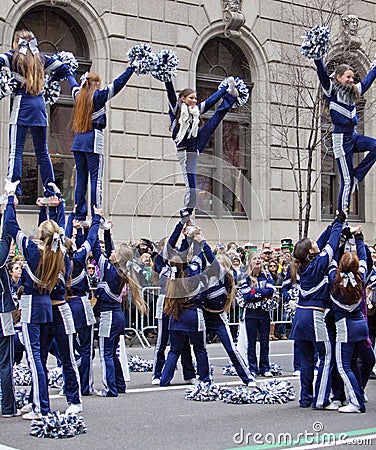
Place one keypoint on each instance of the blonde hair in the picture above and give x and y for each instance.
(51, 263)
(252, 277)
(229, 281)
(30, 66)
(83, 107)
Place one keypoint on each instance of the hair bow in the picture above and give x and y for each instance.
(172, 275)
(83, 79)
(133, 264)
(348, 276)
(58, 241)
(32, 44)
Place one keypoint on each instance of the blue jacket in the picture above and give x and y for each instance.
(6, 299)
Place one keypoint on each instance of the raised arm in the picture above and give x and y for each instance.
(365, 84)
(324, 78)
(172, 99)
(5, 243)
(169, 249)
(108, 242)
(101, 96)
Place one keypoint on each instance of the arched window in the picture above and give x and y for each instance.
(56, 31)
(225, 165)
(330, 177)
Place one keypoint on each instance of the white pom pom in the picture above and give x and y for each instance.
(316, 43)
(68, 59)
(165, 65)
(51, 91)
(242, 89)
(8, 84)
(141, 58)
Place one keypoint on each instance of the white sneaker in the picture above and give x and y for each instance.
(101, 393)
(333, 406)
(232, 87)
(267, 374)
(296, 373)
(8, 416)
(350, 408)
(44, 201)
(193, 381)
(31, 416)
(365, 398)
(252, 384)
(105, 225)
(156, 381)
(27, 408)
(74, 409)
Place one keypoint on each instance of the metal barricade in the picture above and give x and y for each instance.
(149, 322)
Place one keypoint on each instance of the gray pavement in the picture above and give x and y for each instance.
(160, 418)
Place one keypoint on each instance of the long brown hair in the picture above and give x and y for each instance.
(229, 281)
(177, 290)
(51, 263)
(124, 254)
(83, 108)
(350, 294)
(301, 258)
(182, 94)
(30, 66)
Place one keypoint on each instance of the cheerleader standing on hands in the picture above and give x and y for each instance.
(310, 265)
(89, 122)
(29, 107)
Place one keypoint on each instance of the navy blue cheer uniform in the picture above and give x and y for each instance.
(162, 267)
(352, 333)
(29, 111)
(62, 329)
(8, 403)
(216, 319)
(308, 327)
(189, 147)
(88, 148)
(111, 321)
(36, 312)
(345, 140)
(190, 324)
(82, 311)
(257, 319)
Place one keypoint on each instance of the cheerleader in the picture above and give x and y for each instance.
(8, 402)
(341, 95)
(115, 271)
(219, 297)
(163, 268)
(15, 272)
(184, 306)
(89, 121)
(347, 278)
(78, 300)
(256, 288)
(190, 138)
(29, 67)
(310, 265)
(45, 261)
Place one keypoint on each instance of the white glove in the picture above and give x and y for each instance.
(11, 186)
(54, 187)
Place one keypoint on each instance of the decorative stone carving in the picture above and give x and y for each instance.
(233, 17)
(61, 2)
(350, 26)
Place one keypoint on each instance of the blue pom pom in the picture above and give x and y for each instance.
(141, 57)
(242, 89)
(165, 65)
(8, 84)
(57, 426)
(137, 364)
(51, 91)
(68, 59)
(316, 43)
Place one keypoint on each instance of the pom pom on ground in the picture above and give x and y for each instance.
(141, 57)
(21, 376)
(22, 398)
(275, 369)
(55, 378)
(165, 65)
(68, 59)
(316, 42)
(137, 364)
(57, 426)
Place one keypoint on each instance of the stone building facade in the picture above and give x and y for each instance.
(247, 177)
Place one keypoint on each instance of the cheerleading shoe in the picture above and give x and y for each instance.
(251, 384)
(333, 406)
(156, 381)
(31, 416)
(8, 416)
(232, 87)
(296, 373)
(105, 224)
(45, 201)
(267, 374)
(74, 409)
(193, 381)
(27, 408)
(349, 408)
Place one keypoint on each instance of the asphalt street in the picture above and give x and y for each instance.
(160, 418)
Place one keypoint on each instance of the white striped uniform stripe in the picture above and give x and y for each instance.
(345, 378)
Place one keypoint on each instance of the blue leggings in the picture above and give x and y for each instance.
(263, 327)
(8, 403)
(344, 148)
(88, 163)
(17, 137)
(160, 348)
(188, 159)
